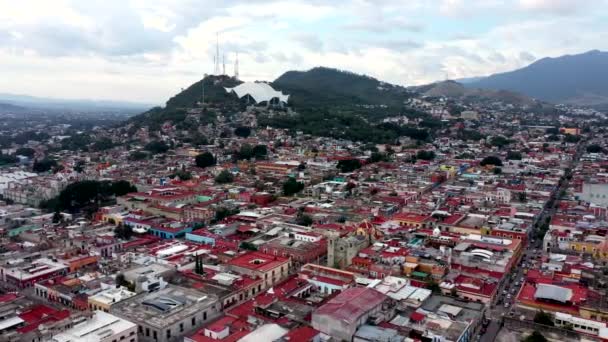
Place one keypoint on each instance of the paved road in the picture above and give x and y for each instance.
(510, 284)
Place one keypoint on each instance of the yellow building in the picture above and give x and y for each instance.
(106, 298)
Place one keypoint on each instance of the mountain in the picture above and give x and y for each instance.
(11, 108)
(456, 90)
(82, 105)
(576, 79)
(327, 87)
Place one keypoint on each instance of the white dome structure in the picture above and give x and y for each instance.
(259, 92)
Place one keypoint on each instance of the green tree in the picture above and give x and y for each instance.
(594, 148)
(500, 141)
(292, 187)
(543, 318)
(260, 151)
(425, 155)
(349, 165)
(224, 177)
(304, 220)
(535, 337)
(491, 160)
(513, 155)
(26, 152)
(242, 131)
(103, 144)
(245, 152)
(44, 165)
(157, 147)
(138, 155)
(205, 159)
(123, 231)
(248, 246)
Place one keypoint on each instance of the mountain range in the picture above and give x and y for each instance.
(33, 102)
(580, 79)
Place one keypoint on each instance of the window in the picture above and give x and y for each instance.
(205, 316)
(155, 336)
(168, 333)
(181, 327)
(132, 333)
(193, 321)
(148, 332)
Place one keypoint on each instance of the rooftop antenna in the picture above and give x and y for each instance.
(236, 67)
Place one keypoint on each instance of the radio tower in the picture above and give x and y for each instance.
(236, 67)
(217, 54)
(224, 64)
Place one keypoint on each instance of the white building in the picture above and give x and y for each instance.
(102, 327)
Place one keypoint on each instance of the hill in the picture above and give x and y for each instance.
(11, 108)
(34, 102)
(327, 87)
(456, 90)
(176, 107)
(576, 79)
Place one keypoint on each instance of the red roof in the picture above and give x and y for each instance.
(258, 261)
(301, 334)
(351, 304)
(417, 316)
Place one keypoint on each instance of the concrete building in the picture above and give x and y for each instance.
(272, 269)
(596, 193)
(341, 316)
(102, 327)
(341, 251)
(169, 314)
(105, 299)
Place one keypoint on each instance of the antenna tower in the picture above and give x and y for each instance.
(217, 54)
(236, 67)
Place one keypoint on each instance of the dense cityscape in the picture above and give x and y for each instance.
(199, 223)
(304, 171)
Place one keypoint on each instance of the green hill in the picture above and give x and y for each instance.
(176, 107)
(326, 87)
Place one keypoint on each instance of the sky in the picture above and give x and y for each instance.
(148, 50)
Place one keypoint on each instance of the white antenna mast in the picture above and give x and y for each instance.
(236, 67)
(217, 54)
(224, 64)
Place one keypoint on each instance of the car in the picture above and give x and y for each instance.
(516, 283)
(504, 291)
(507, 304)
(508, 296)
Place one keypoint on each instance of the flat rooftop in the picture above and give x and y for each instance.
(164, 307)
(95, 329)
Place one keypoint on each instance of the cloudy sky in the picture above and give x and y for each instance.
(147, 50)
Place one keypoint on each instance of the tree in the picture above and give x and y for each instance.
(198, 265)
(543, 318)
(245, 152)
(513, 155)
(569, 138)
(26, 152)
(425, 155)
(304, 220)
(103, 144)
(349, 165)
(224, 177)
(79, 166)
(378, 157)
(138, 155)
(123, 231)
(156, 147)
(552, 130)
(248, 246)
(44, 165)
(122, 187)
(120, 280)
(292, 187)
(594, 148)
(242, 131)
(57, 217)
(500, 141)
(491, 160)
(260, 151)
(535, 337)
(497, 171)
(205, 159)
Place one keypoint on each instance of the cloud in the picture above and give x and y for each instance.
(158, 47)
(309, 41)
